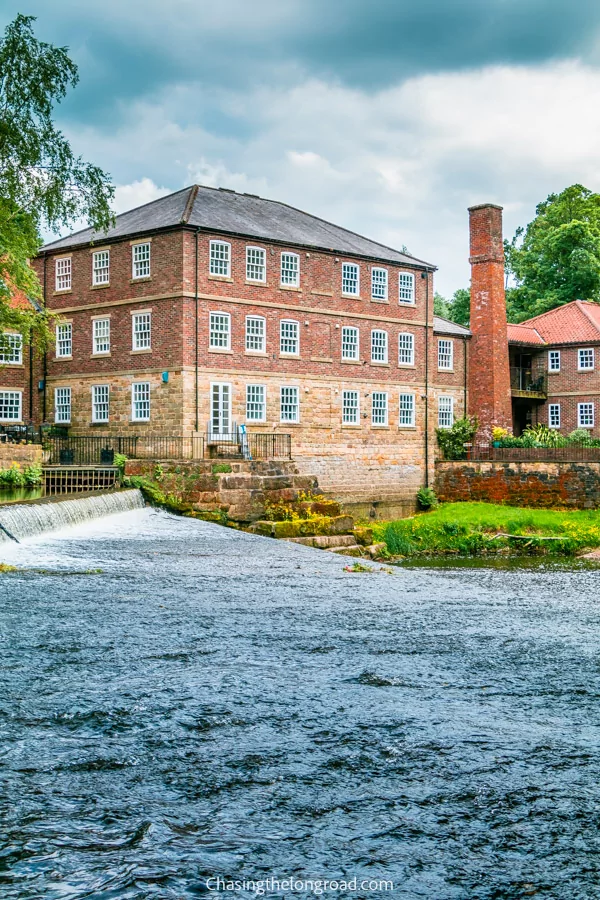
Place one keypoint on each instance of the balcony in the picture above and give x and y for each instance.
(528, 383)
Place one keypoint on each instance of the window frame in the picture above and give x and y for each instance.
(215, 242)
(135, 248)
(252, 248)
(412, 409)
(135, 335)
(263, 403)
(356, 357)
(67, 261)
(14, 344)
(589, 350)
(450, 343)
(350, 423)
(356, 267)
(592, 405)
(289, 353)
(95, 403)
(385, 283)
(223, 348)
(263, 349)
(551, 368)
(96, 269)
(287, 283)
(386, 409)
(289, 387)
(551, 407)
(69, 326)
(411, 362)
(386, 343)
(450, 410)
(134, 385)
(16, 393)
(413, 295)
(95, 338)
(67, 390)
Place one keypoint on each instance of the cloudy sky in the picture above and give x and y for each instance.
(389, 117)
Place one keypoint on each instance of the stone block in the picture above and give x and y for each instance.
(376, 550)
(363, 535)
(341, 525)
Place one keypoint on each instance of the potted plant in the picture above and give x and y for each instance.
(498, 435)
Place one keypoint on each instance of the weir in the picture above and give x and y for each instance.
(23, 520)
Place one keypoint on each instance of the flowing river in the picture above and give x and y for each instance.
(217, 705)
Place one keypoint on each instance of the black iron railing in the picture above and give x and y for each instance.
(101, 450)
(485, 452)
(528, 381)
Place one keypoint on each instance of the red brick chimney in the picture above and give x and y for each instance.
(489, 375)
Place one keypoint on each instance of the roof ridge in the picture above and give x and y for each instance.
(189, 204)
(581, 306)
(548, 312)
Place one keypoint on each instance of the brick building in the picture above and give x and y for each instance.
(209, 308)
(555, 369)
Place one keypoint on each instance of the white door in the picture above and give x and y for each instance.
(220, 409)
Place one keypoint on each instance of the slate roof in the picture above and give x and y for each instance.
(574, 323)
(223, 211)
(445, 326)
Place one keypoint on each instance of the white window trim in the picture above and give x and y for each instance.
(264, 347)
(449, 368)
(63, 355)
(412, 424)
(351, 424)
(218, 312)
(553, 371)
(385, 361)
(135, 316)
(57, 260)
(357, 330)
(281, 419)
(20, 396)
(385, 297)
(100, 352)
(56, 419)
(19, 360)
(401, 300)
(581, 368)
(134, 418)
(289, 284)
(107, 386)
(593, 422)
(407, 365)
(95, 255)
(264, 252)
(212, 274)
(557, 405)
(387, 410)
(451, 399)
(135, 244)
(357, 267)
(296, 352)
(264, 415)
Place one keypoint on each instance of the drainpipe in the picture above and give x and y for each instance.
(31, 377)
(196, 326)
(45, 362)
(465, 368)
(425, 276)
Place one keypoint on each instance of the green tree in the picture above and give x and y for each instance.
(460, 306)
(556, 258)
(42, 182)
(440, 306)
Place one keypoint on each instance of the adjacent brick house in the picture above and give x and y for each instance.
(555, 369)
(208, 308)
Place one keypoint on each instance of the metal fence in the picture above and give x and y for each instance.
(483, 452)
(528, 381)
(95, 450)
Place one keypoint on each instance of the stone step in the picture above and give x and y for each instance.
(325, 541)
(352, 550)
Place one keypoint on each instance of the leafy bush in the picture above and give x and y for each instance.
(119, 460)
(451, 441)
(15, 476)
(427, 498)
(581, 438)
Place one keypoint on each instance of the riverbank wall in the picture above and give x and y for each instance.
(558, 485)
(23, 454)
(237, 490)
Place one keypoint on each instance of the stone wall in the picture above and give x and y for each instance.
(552, 485)
(240, 493)
(23, 454)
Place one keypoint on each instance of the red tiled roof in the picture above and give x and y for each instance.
(574, 323)
(523, 334)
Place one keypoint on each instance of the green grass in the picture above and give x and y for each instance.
(473, 529)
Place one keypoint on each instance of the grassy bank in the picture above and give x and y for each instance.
(485, 529)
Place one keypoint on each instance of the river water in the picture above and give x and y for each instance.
(218, 704)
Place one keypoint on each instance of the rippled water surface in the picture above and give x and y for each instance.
(219, 704)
